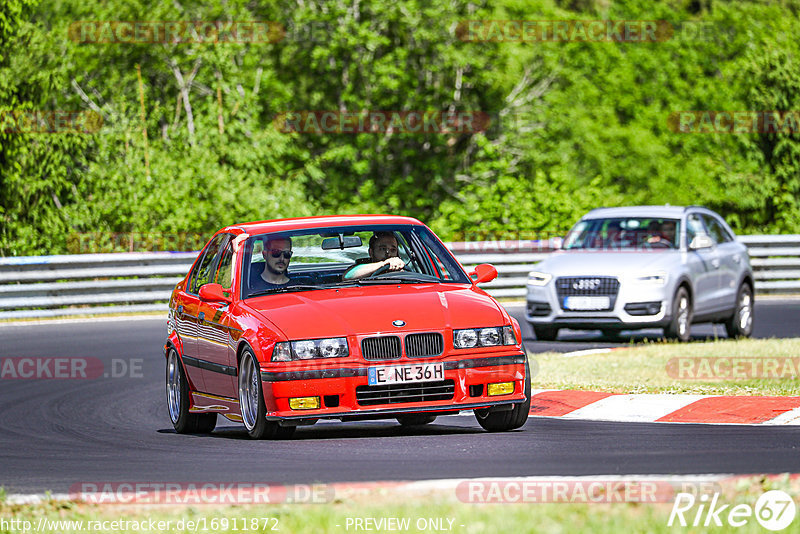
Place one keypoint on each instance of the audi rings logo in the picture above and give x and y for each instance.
(586, 284)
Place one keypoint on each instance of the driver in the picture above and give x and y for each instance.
(666, 234)
(382, 251)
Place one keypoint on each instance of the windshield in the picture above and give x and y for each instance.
(306, 260)
(624, 233)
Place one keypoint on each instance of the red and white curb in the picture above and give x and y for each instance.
(665, 408)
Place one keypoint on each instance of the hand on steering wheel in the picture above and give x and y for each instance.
(384, 268)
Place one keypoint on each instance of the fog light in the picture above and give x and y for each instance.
(304, 403)
(501, 388)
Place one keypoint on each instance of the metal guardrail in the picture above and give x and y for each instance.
(54, 286)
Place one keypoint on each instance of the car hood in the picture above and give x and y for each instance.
(614, 263)
(371, 310)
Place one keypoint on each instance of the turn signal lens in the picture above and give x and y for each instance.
(282, 352)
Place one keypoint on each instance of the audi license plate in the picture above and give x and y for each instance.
(402, 374)
(587, 303)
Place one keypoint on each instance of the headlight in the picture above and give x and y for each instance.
(535, 278)
(304, 350)
(484, 337)
(464, 339)
(307, 349)
(334, 347)
(489, 337)
(657, 278)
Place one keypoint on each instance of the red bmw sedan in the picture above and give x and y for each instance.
(282, 323)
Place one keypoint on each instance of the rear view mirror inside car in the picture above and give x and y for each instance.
(341, 242)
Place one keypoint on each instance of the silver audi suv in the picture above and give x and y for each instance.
(644, 267)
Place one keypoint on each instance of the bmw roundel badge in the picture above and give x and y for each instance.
(398, 323)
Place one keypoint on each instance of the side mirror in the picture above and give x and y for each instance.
(483, 273)
(701, 241)
(213, 292)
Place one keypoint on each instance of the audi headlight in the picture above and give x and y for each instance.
(536, 278)
(484, 337)
(307, 349)
(658, 278)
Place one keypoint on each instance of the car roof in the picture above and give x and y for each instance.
(673, 212)
(320, 221)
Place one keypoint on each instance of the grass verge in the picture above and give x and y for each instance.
(724, 367)
(432, 511)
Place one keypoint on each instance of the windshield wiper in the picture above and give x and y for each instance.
(391, 280)
(298, 287)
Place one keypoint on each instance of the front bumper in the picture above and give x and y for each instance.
(467, 377)
(633, 308)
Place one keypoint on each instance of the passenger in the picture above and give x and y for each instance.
(277, 254)
(383, 251)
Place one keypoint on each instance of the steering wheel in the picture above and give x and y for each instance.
(660, 243)
(383, 268)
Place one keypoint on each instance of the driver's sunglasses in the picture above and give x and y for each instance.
(278, 253)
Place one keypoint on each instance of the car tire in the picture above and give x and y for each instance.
(416, 419)
(740, 323)
(508, 419)
(545, 333)
(251, 402)
(680, 325)
(178, 395)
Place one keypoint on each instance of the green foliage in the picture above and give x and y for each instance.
(574, 125)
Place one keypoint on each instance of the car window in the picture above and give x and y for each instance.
(204, 271)
(624, 233)
(716, 230)
(320, 257)
(223, 274)
(694, 226)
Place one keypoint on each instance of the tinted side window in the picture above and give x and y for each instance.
(203, 273)
(716, 230)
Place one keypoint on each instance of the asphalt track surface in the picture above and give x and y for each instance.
(57, 433)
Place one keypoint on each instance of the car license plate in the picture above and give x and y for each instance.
(401, 374)
(587, 303)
